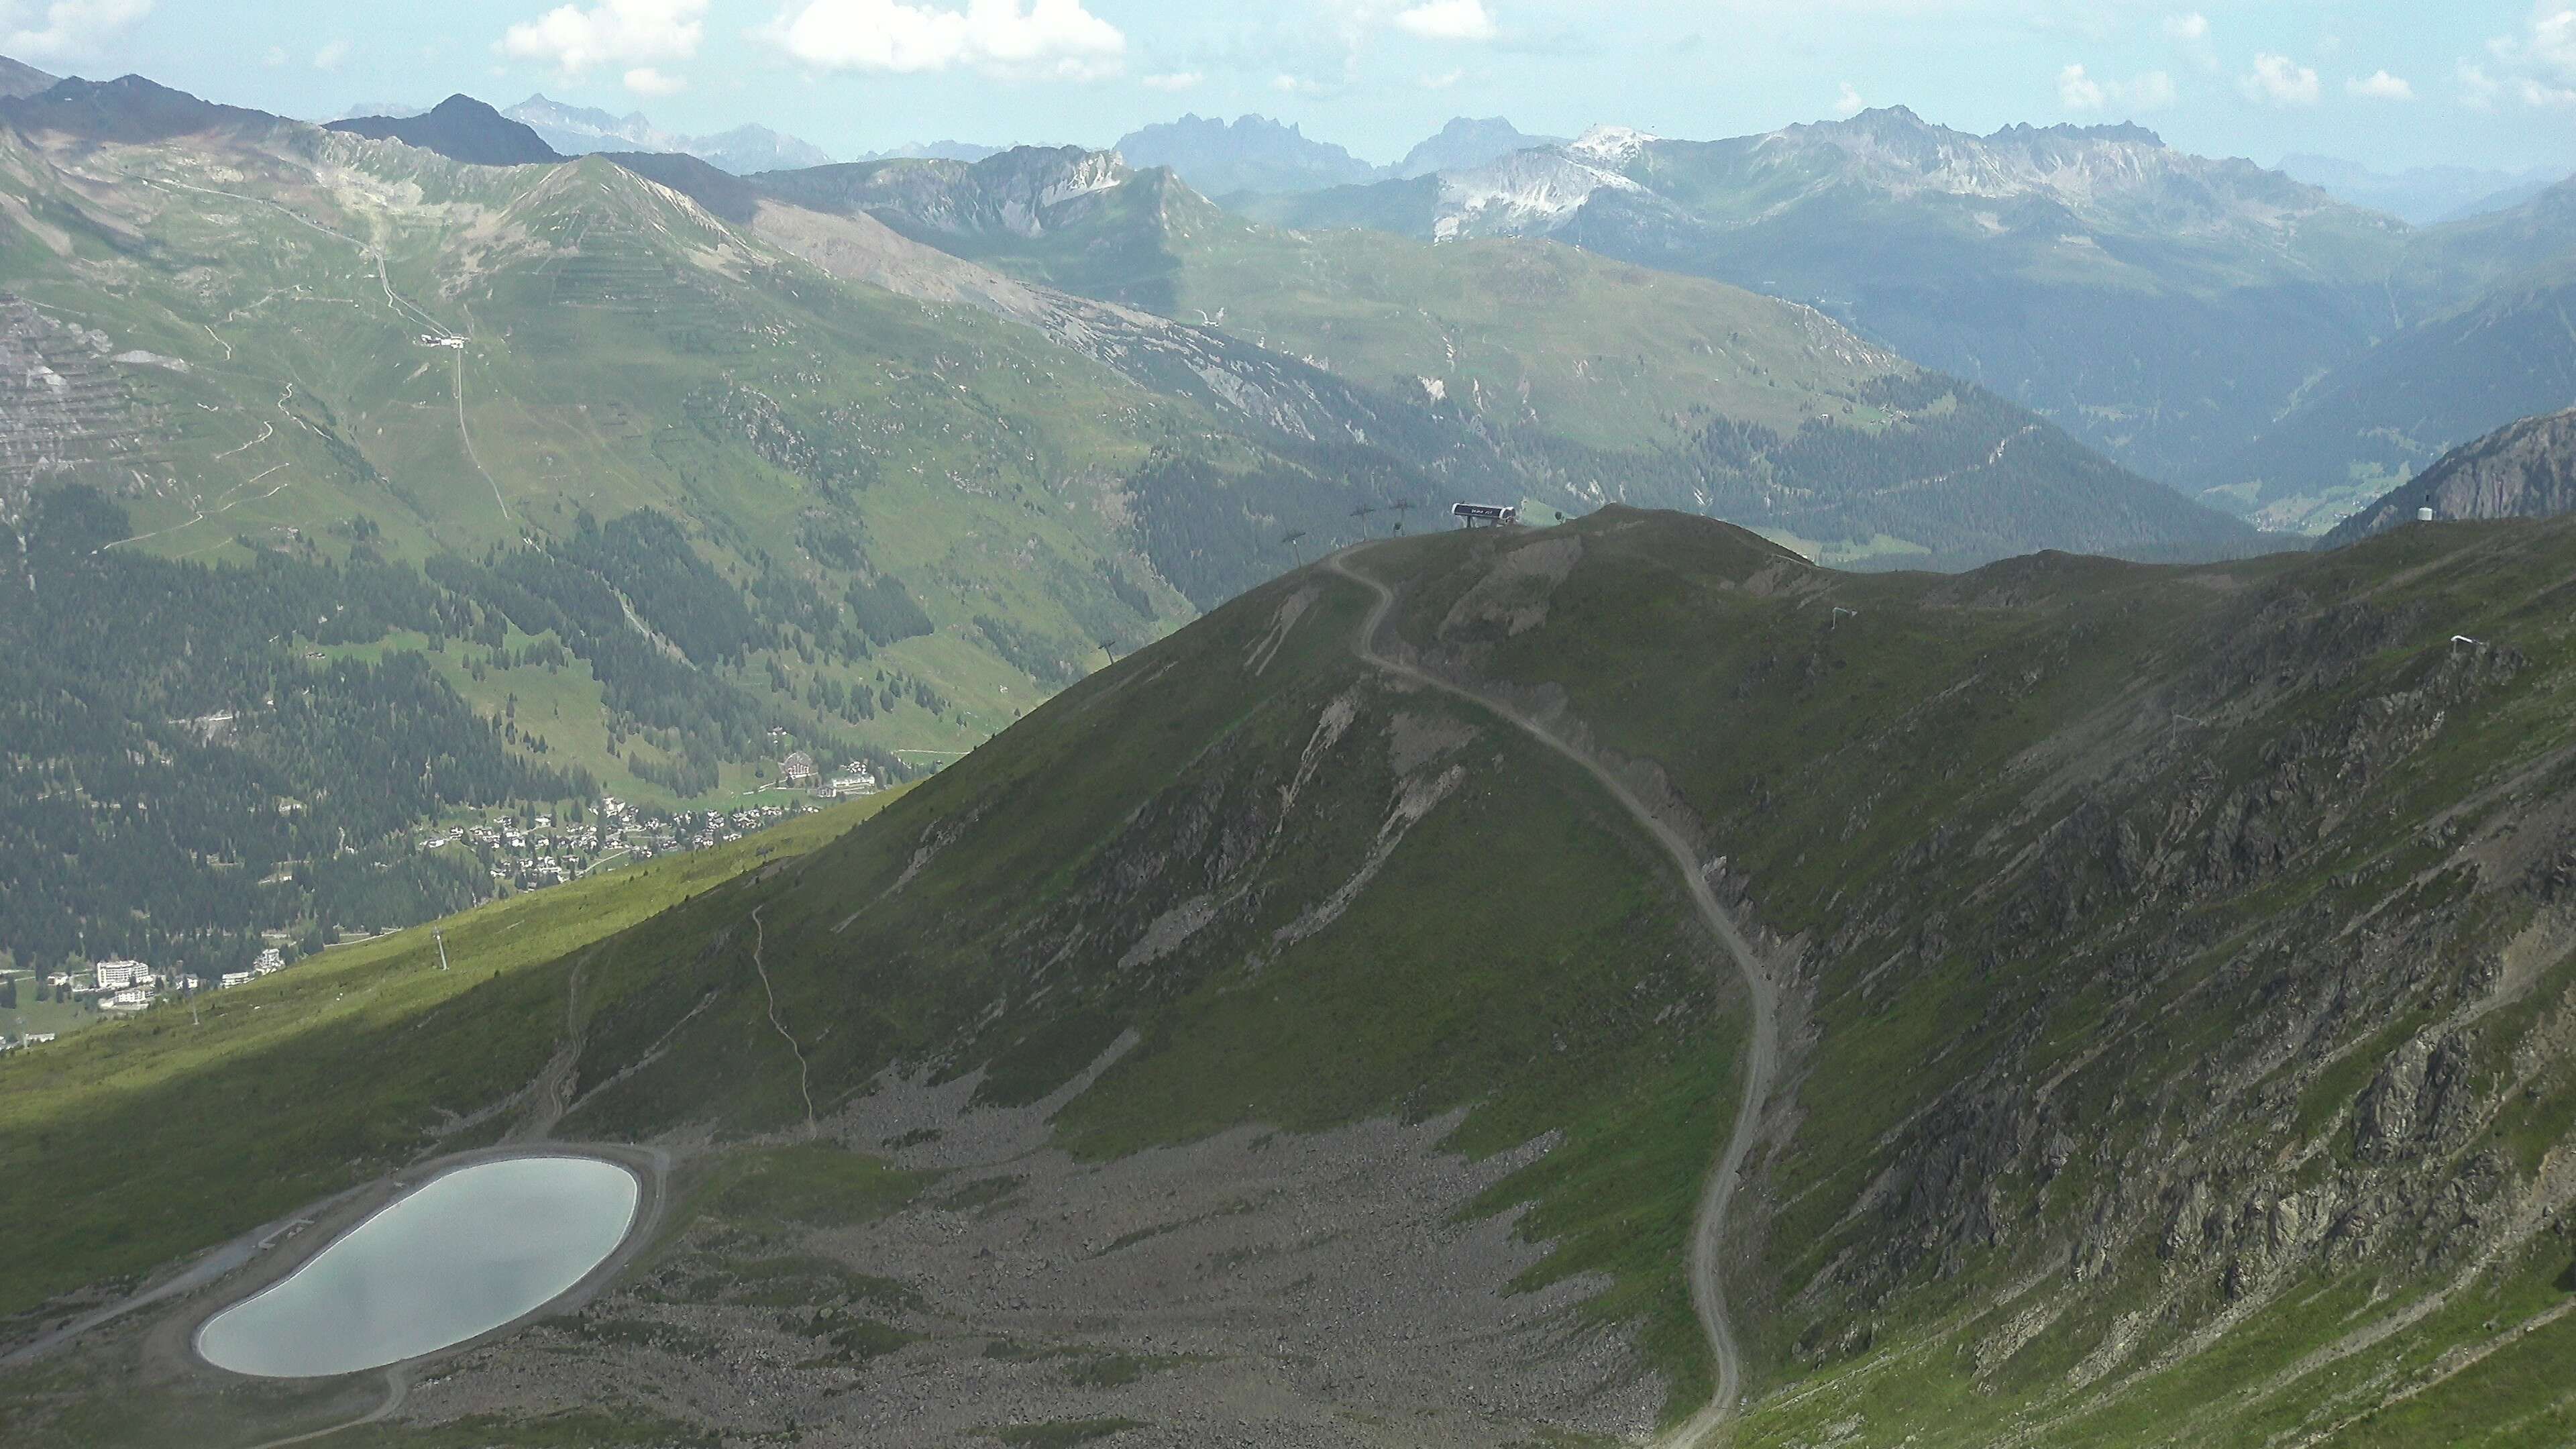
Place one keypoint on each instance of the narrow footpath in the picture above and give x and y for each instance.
(804, 1073)
(1717, 1196)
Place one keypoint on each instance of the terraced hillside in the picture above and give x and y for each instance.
(2175, 998)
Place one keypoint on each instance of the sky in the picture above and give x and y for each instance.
(2389, 83)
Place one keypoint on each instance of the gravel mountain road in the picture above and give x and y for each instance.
(1717, 1197)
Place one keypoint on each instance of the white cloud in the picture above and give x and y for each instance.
(330, 55)
(1848, 102)
(2078, 90)
(1293, 85)
(2280, 81)
(1013, 37)
(1443, 81)
(1448, 20)
(644, 80)
(2380, 86)
(2478, 90)
(2190, 34)
(612, 32)
(1179, 80)
(64, 27)
(276, 57)
(2539, 64)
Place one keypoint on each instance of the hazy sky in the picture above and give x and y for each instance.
(2390, 82)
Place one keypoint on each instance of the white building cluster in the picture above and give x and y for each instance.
(854, 780)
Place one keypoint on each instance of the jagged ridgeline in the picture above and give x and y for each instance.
(2175, 966)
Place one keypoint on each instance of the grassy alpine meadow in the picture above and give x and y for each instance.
(622, 352)
(2073, 842)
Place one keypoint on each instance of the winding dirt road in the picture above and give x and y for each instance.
(1717, 1197)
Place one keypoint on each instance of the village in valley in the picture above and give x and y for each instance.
(523, 850)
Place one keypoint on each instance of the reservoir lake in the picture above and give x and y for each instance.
(461, 1255)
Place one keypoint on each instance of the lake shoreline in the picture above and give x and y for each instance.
(281, 1248)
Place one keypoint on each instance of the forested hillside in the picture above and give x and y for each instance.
(180, 776)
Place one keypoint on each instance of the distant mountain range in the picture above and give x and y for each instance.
(460, 128)
(2424, 195)
(587, 130)
(580, 130)
(1467, 143)
(936, 151)
(2284, 349)
(1601, 382)
(2284, 353)
(1256, 156)
(1251, 155)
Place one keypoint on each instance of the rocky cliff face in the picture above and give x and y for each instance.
(2526, 470)
(1017, 193)
(66, 413)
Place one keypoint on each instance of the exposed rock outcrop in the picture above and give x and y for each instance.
(2524, 470)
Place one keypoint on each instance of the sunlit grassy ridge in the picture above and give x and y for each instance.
(141, 1140)
(624, 350)
(2128, 891)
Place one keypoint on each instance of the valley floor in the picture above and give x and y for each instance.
(1324, 1289)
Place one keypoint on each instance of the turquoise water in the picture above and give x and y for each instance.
(469, 1251)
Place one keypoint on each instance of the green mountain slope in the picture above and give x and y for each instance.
(2173, 958)
(2459, 370)
(2274, 352)
(687, 498)
(1598, 381)
(2159, 306)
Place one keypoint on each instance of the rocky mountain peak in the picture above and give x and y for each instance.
(1248, 154)
(1465, 143)
(1613, 146)
(2522, 470)
(19, 79)
(129, 109)
(1029, 181)
(460, 128)
(2124, 133)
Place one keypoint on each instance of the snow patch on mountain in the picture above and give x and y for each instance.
(1611, 145)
